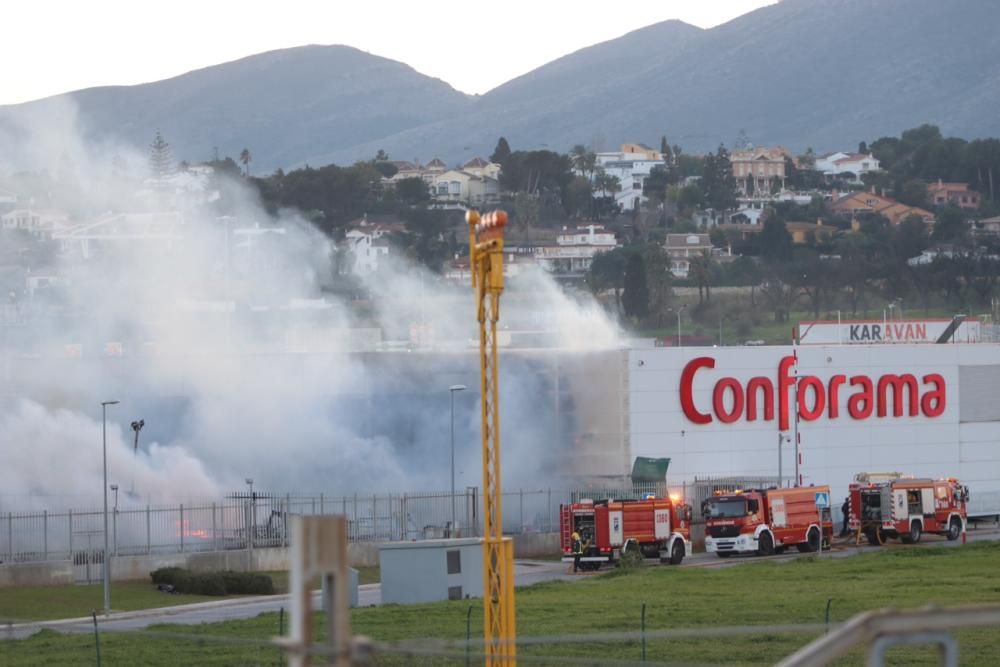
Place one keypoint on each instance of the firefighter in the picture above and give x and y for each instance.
(577, 550)
(845, 508)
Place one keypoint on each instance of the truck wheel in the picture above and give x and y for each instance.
(677, 552)
(915, 532)
(723, 554)
(812, 541)
(875, 536)
(954, 528)
(765, 545)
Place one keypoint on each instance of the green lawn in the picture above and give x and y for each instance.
(759, 593)
(39, 603)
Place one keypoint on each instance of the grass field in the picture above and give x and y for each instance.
(42, 603)
(760, 593)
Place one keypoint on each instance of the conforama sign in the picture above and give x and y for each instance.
(764, 398)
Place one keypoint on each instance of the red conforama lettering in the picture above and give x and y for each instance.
(889, 395)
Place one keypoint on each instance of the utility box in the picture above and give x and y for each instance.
(431, 570)
(352, 588)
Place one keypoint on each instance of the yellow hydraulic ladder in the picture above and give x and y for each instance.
(486, 267)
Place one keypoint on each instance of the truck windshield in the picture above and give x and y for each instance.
(725, 507)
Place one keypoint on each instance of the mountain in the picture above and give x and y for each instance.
(287, 107)
(820, 73)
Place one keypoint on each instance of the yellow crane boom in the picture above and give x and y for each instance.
(486, 267)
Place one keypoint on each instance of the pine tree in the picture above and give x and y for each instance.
(501, 152)
(161, 161)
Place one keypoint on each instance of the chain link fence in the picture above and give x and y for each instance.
(249, 520)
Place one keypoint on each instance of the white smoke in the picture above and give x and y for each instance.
(243, 365)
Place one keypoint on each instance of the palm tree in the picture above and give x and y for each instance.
(245, 158)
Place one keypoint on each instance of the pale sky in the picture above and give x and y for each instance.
(54, 46)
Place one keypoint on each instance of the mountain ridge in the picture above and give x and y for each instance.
(825, 74)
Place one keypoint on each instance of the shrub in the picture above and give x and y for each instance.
(248, 583)
(213, 583)
(209, 583)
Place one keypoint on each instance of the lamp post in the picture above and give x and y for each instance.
(114, 518)
(136, 426)
(104, 489)
(451, 390)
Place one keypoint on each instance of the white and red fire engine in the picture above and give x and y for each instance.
(892, 505)
(766, 521)
(652, 527)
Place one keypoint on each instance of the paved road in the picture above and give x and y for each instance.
(528, 572)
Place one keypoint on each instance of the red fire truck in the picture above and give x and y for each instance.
(892, 505)
(652, 527)
(766, 521)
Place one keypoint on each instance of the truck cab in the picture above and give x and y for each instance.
(731, 522)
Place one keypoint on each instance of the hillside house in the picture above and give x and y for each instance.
(368, 242)
(682, 248)
(757, 169)
(631, 165)
(575, 250)
(849, 166)
(959, 194)
(855, 203)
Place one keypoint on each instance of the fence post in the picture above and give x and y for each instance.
(402, 518)
(288, 510)
(71, 534)
(149, 542)
(215, 531)
(45, 534)
(520, 512)
(10, 535)
(374, 517)
(182, 527)
(322, 510)
(643, 630)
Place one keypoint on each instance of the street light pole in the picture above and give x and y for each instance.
(104, 488)
(451, 390)
(114, 516)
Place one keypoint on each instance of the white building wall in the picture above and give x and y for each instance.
(833, 450)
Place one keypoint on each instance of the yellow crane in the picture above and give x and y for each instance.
(486, 267)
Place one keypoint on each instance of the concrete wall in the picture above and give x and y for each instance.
(131, 568)
(36, 574)
(536, 545)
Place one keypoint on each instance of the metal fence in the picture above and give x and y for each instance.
(256, 520)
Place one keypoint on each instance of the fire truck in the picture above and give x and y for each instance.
(766, 521)
(892, 505)
(651, 527)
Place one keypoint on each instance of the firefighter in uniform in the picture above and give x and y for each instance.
(577, 550)
(845, 508)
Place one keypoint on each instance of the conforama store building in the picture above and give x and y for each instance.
(922, 409)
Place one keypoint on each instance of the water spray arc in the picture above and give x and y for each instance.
(486, 264)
